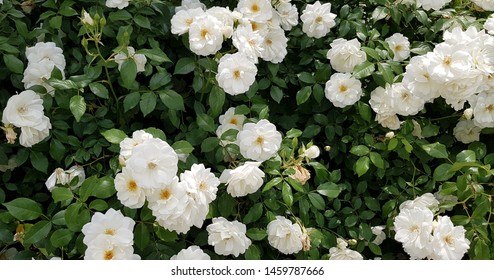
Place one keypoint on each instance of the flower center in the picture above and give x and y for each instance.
(22, 110)
(254, 26)
(318, 19)
(404, 96)
(269, 42)
(132, 186)
(236, 74)
(414, 228)
(447, 61)
(110, 231)
(165, 194)
(255, 8)
(343, 88)
(450, 240)
(233, 121)
(108, 255)
(152, 165)
(204, 33)
(260, 140)
(489, 108)
(189, 21)
(398, 48)
(203, 186)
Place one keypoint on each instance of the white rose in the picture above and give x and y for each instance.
(243, 180)
(228, 238)
(285, 235)
(344, 55)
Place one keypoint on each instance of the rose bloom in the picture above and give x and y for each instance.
(226, 17)
(128, 192)
(285, 235)
(200, 183)
(399, 45)
(206, 35)
(230, 120)
(342, 89)
(466, 131)
(390, 121)
(139, 59)
(128, 144)
(317, 19)
(260, 141)
(154, 163)
(120, 4)
(243, 180)
(413, 228)
(344, 55)
(31, 136)
(287, 15)
(228, 238)
(249, 41)
(274, 45)
(436, 5)
(112, 225)
(255, 10)
(189, 5)
(448, 241)
(103, 249)
(36, 74)
(236, 73)
(489, 23)
(483, 105)
(341, 252)
(191, 253)
(64, 177)
(183, 19)
(44, 52)
(24, 109)
(427, 200)
(312, 152)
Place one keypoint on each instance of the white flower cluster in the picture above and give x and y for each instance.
(139, 59)
(42, 59)
(109, 236)
(65, 177)
(25, 110)
(458, 70)
(341, 252)
(424, 237)
(257, 30)
(150, 173)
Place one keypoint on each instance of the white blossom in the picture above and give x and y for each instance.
(341, 252)
(274, 45)
(128, 192)
(236, 73)
(259, 141)
(120, 4)
(201, 183)
(466, 131)
(255, 10)
(413, 228)
(287, 15)
(113, 226)
(435, 5)
(24, 109)
(344, 55)
(448, 241)
(285, 235)
(139, 59)
(399, 45)
(317, 19)
(191, 253)
(228, 238)
(487, 5)
(343, 90)
(243, 180)
(206, 35)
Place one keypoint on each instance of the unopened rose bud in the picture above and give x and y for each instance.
(417, 130)
(10, 133)
(301, 174)
(468, 113)
(19, 233)
(352, 242)
(86, 19)
(390, 135)
(327, 148)
(305, 238)
(312, 152)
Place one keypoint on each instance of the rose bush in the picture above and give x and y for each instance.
(251, 129)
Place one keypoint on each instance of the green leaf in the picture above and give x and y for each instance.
(98, 205)
(371, 53)
(114, 136)
(363, 70)
(24, 209)
(226, 205)
(77, 106)
(39, 161)
(76, 216)
(256, 234)
(364, 111)
(206, 123)
(375, 249)
(362, 165)
(61, 194)
(141, 236)
(61, 237)
(14, 64)
(182, 147)
(386, 72)
(37, 232)
(155, 55)
(307, 78)
(443, 172)
(160, 79)
(209, 144)
(148, 102)
(165, 235)
(131, 100)
(57, 150)
(481, 250)
(436, 150)
(56, 22)
(303, 95)
(216, 100)
(184, 65)
(392, 144)
(120, 15)
(252, 253)
(466, 156)
(99, 90)
(276, 93)
(156, 132)
(286, 194)
(329, 189)
(172, 100)
(142, 21)
(273, 182)
(128, 72)
(359, 150)
(376, 159)
(105, 188)
(87, 187)
(317, 201)
(254, 214)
